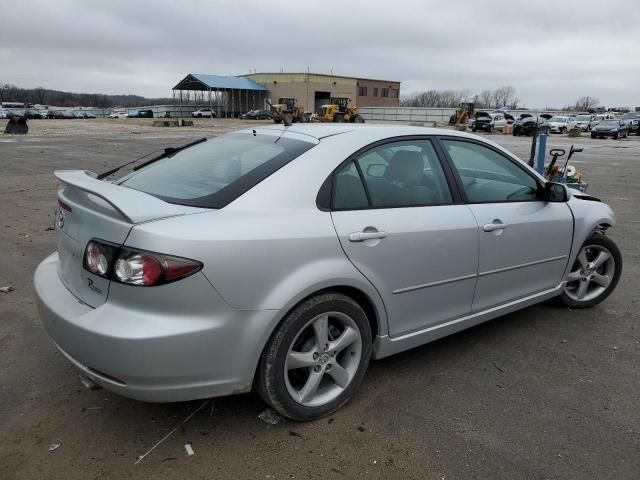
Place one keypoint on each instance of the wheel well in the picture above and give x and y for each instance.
(362, 300)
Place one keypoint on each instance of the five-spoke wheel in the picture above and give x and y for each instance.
(594, 274)
(316, 358)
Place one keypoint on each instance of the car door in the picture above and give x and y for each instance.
(524, 241)
(399, 224)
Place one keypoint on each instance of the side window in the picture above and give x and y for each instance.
(488, 176)
(348, 191)
(404, 174)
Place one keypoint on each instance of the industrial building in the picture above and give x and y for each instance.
(313, 90)
(229, 96)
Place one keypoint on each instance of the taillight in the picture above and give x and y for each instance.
(136, 267)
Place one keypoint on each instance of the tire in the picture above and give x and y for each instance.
(593, 135)
(616, 136)
(338, 118)
(583, 276)
(199, 115)
(563, 130)
(289, 390)
(473, 129)
(357, 119)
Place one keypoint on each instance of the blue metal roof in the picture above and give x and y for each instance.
(199, 81)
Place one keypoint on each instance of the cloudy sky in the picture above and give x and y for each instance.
(552, 52)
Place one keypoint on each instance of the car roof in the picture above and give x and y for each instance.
(324, 130)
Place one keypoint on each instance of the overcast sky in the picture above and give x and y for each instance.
(552, 52)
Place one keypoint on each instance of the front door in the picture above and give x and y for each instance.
(524, 240)
(394, 214)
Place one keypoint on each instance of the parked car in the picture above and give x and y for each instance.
(610, 128)
(118, 115)
(599, 118)
(62, 114)
(255, 115)
(632, 121)
(526, 125)
(144, 114)
(561, 124)
(203, 112)
(482, 121)
(210, 271)
(4, 113)
(583, 122)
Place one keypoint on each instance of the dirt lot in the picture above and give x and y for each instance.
(544, 393)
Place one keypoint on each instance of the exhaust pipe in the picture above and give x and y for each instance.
(88, 383)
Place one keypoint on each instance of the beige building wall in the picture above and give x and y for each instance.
(375, 91)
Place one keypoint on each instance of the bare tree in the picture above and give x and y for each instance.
(586, 103)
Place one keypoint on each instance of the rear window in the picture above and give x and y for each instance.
(214, 173)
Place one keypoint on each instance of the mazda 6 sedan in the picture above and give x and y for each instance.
(283, 259)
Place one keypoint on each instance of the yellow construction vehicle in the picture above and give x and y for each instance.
(338, 111)
(287, 111)
(463, 113)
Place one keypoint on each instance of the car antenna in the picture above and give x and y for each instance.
(167, 151)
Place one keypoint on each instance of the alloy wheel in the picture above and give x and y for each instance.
(323, 359)
(592, 272)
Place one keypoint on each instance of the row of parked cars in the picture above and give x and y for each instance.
(43, 114)
(600, 125)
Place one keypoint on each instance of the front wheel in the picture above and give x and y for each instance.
(594, 274)
(316, 358)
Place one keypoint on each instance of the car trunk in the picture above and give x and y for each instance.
(89, 208)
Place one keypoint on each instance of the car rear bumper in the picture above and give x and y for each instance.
(188, 345)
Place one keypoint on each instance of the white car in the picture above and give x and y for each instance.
(561, 124)
(118, 115)
(583, 122)
(203, 112)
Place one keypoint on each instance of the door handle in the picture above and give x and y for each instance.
(362, 236)
(492, 227)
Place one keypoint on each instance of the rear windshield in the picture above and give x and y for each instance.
(214, 173)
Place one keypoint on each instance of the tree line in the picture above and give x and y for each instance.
(45, 96)
(497, 98)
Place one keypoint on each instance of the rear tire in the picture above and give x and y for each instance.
(594, 274)
(338, 118)
(311, 366)
(357, 119)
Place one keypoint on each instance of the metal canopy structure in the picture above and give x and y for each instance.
(227, 96)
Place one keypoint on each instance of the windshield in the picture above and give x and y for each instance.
(627, 116)
(214, 173)
(608, 123)
(583, 118)
(558, 119)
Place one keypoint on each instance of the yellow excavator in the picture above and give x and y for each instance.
(287, 111)
(339, 110)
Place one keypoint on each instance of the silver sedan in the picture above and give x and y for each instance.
(285, 258)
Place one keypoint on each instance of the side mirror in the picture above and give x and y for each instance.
(555, 192)
(376, 170)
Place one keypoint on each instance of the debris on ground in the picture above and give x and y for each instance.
(293, 433)
(270, 416)
(361, 428)
(189, 449)
(54, 445)
(141, 457)
(498, 367)
(6, 289)
(91, 408)
(49, 229)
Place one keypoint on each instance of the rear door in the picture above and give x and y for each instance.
(398, 223)
(524, 240)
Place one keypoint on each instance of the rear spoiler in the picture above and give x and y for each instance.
(135, 206)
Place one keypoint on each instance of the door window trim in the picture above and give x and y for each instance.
(326, 194)
(518, 163)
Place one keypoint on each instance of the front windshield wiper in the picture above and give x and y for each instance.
(167, 151)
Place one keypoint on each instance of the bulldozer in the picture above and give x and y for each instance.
(463, 113)
(340, 110)
(287, 111)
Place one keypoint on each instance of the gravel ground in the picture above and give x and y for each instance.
(544, 393)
